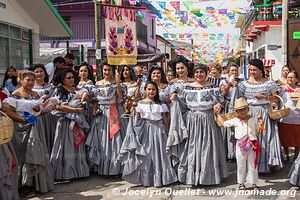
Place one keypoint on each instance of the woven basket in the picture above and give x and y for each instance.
(281, 113)
(226, 117)
(6, 129)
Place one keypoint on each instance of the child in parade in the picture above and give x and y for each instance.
(143, 151)
(247, 148)
(10, 81)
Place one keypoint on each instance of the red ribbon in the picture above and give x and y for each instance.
(13, 166)
(257, 151)
(114, 124)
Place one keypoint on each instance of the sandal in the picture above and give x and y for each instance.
(242, 186)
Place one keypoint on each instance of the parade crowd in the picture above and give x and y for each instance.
(150, 126)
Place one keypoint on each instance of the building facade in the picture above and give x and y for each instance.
(21, 23)
(80, 16)
(261, 35)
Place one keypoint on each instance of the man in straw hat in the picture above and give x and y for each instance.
(247, 148)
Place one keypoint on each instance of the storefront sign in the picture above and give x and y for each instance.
(273, 47)
(296, 35)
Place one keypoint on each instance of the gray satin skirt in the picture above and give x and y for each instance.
(294, 173)
(30, 146)
(103, 151)
(8, 178)
(67, 161)
(143, 152)
(269, 141)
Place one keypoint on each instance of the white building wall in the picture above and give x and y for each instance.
(15, 15)
(272, 37)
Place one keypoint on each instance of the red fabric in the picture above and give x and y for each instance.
(78, 134)
(257, 151)
(114, 124)
(13, 166)
(2, 96)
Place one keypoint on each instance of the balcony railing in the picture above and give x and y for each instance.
(85, 30)
(273, 13)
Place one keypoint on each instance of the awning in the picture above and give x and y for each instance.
(50, 23)
(257, 27)
(145, 58)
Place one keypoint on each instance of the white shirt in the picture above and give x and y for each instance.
(243, 128)
(50, 70)
(294, 115)
(151, 111)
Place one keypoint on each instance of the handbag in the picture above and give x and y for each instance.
(245, 144)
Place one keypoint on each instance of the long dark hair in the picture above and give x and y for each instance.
(61, 91)
(105, 62)
(35, 66)
(163, 78)
(90, 71)
(14, 78)
(181, 59)
(132, 74)
(156, 97)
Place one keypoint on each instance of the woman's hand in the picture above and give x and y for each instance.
(139, 82)
(173, 96)
(36, 108)
(118, 76)
(217, 108)
(45, 97)
(261, 96)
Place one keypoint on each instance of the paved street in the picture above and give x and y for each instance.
(97, 187)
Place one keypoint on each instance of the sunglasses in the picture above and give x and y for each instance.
(70, 77)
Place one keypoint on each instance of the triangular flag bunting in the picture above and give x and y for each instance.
(188, 4)
(197, 13)
(162, 4)
(175, 4)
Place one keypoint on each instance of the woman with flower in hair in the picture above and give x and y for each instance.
(29, 142)
(259, 92)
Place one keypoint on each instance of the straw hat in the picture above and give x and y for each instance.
(240, 103)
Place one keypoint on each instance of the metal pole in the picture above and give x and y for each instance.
(192, 43)
(98, 40)
(284, 31)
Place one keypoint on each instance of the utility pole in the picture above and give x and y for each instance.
(98, 25)
(284, 31)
